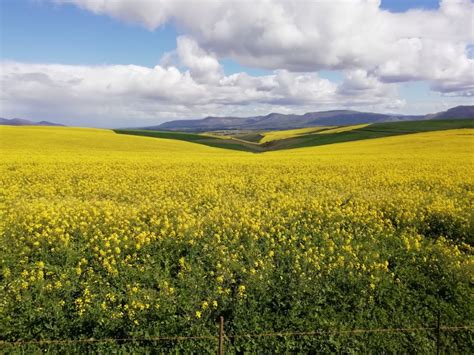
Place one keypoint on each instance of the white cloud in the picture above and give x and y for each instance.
(128, 94)
(312, 35)
(203, 66)
(374, 49)
(358, 81)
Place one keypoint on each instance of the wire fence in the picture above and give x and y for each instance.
(221, 337)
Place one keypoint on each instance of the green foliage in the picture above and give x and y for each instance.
(226, 143)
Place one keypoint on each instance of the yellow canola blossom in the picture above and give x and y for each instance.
(124, 228)
(290, 133)
(344, 129)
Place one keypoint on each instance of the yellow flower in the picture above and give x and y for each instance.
(131, 204)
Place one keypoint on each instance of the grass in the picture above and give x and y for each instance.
(253, 137)
(258, 142)
(190, 137)
(206, 139)
(375, 130)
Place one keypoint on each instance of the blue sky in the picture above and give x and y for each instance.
(69, 35)
(71, 32)
(35, 31)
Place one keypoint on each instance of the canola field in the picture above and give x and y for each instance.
(291, 133)
(115, 236)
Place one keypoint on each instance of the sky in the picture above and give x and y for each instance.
(128, 63)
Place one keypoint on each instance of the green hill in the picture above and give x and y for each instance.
(261, 141)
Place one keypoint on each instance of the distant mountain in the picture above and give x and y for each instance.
(455, 112)
(278, 121)
(23, 122)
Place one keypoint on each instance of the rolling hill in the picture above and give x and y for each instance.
(261, 141)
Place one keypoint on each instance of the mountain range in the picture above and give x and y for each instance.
(23, 122)
(279, 121)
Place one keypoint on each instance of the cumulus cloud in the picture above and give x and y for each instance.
(374, 49)
(122, 94)
(313, 35)
(203, 66)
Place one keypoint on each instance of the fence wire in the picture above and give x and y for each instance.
(231, 336)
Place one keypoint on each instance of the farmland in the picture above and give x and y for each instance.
(107, 235)
(260, 141)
